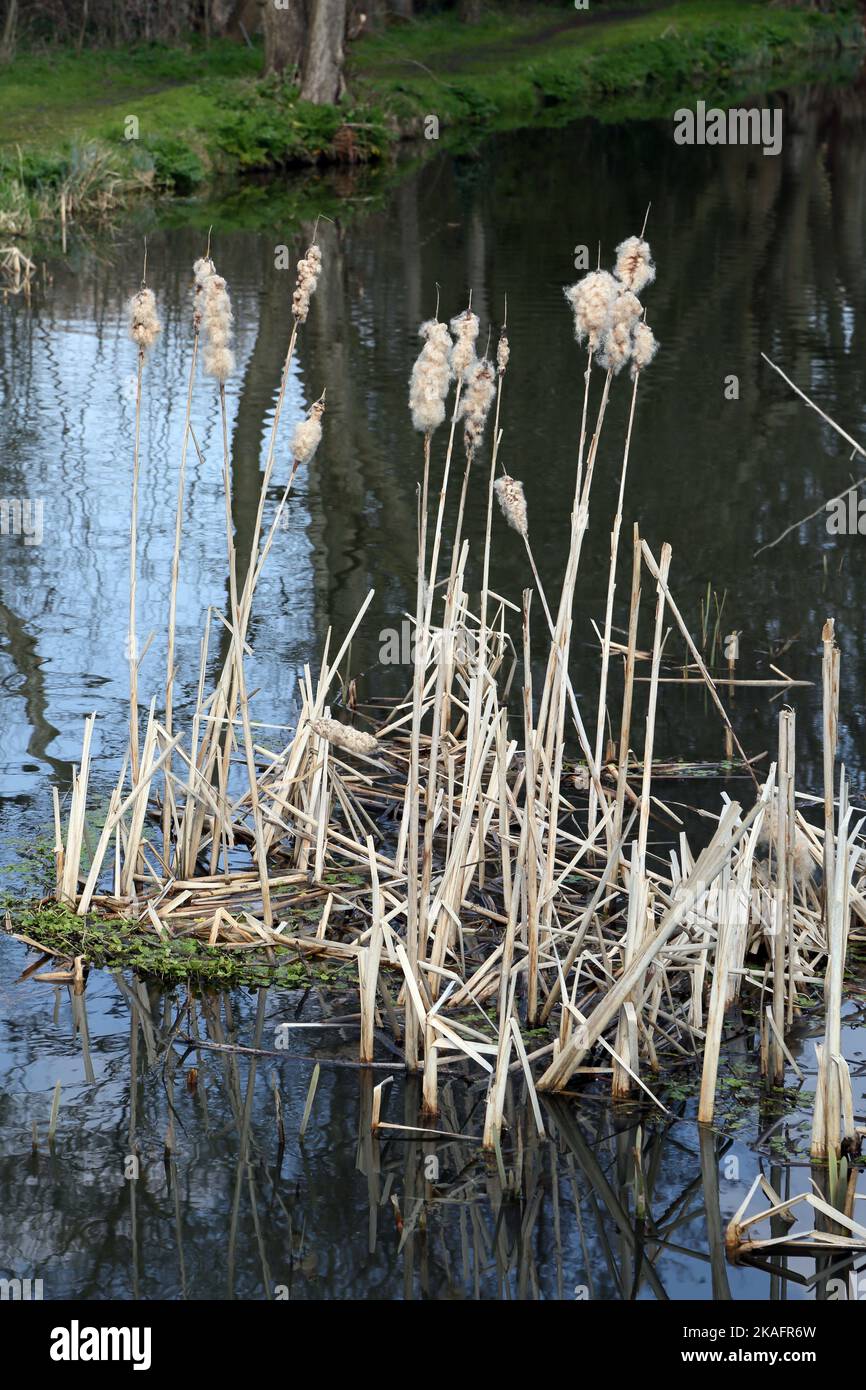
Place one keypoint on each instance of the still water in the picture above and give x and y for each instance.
(754, 255)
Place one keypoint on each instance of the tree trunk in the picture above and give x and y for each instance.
(322, 80)
(470, 11)
(286, 28)
(7, 42)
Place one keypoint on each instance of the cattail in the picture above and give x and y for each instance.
(634, 264)
(513, 503)
(618, 345)
(309, 270)
(202, 270)
(144, 324)
(344, 736)
(477, 399)
(216, 322)
(465, 329)
(430, 378)
(644, 347)
(503, 352)
(308, 434)
(592, 300)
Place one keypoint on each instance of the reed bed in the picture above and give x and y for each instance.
(479, 850)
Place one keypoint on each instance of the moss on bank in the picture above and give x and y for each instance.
(95, 130)
(118, 944)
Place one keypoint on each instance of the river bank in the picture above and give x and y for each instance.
(84, 135)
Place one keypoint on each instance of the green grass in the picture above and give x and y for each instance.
(496, 75)
(51, 99)
(203, 110)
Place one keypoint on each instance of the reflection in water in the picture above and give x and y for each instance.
(178, 1170)
(754, 254)
(596, 1207)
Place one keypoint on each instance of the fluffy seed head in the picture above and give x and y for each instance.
(644, 347)
(202, 270)
(465, 329)
(509, 491)
(431, 375)
(478, 396)
(216, 322)
(144, 324)
(309, 270)
(308, 434)
(344, 736)
(503, 352)
(634, 264)
(616, 349)
(592, 300)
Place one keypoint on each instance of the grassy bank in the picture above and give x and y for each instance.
(84, 134)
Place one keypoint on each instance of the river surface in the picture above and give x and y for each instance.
(755, 255)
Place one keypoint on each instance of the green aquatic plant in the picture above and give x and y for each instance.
(120, 944)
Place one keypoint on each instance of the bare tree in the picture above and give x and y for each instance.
(322, 78)
(286, 27)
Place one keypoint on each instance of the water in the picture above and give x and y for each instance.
(755, 255)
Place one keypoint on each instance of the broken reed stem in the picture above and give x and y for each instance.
(628, 693)
(830, 670)
(649, 737)
(608, 613)
(780, 903)
(133, 548)
(172, 603)
(833, 1119)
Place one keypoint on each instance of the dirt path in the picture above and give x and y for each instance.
(457, 60)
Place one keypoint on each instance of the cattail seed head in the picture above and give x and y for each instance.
(431, 376)
(503, 352)
(592, 300)
(202, 270)
(309, 270)
(465, 329)
(509, 491)
(616, 348)
(308, 434)
(144, 324)
(213, 313)
(634, 264)
(344, 736)
(644, 347)
(478, 397)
